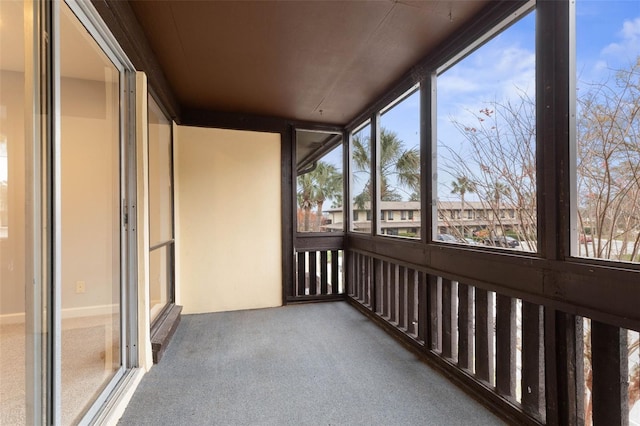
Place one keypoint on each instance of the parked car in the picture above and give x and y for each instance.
(448, 238)
(502, 241)
(471, 242)
(584, 238)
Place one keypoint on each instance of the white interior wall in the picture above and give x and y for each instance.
(228, 219)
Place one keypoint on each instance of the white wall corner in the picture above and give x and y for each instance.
(142, 169)
(177, 284)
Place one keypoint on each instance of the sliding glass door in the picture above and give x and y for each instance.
(161, 242)
(24, 336)
(91, 212)
(64, 238)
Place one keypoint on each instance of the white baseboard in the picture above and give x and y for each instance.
(12, 318)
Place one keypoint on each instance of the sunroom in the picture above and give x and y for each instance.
(463, 174)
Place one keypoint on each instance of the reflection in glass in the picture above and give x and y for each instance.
(15, 329)
(607, 211)
(320, 185)
(90, 218)
(361, 189)
(400, 167)
(487, 144)
(160, 210)
(160, 187)
(159, 280)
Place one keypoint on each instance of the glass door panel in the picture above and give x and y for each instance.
(160, 211)
(90, 218)
(12, 226)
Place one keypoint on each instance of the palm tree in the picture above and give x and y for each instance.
(498, 189)
(306, 195)
(328, 185)
(323, 183)
(461, 186)
(399, 167)
(495, 193)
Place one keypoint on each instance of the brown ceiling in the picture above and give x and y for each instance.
(318, 61)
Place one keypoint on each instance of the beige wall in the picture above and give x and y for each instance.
(228, 220)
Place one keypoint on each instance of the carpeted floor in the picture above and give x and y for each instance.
(317, 364)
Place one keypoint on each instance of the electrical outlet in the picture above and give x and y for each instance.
(80, 287)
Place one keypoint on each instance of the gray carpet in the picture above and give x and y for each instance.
(317, 364)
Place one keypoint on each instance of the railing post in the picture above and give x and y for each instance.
(484, 336)
(610, 368)
(564, 384)
(385, 289)
(465, 326)
(302, 259)
(411, 301)
(505, 345)
(534, 364)
(323, 272)
(447, 318)
(402, 300)
(423, 309)
(335, 270)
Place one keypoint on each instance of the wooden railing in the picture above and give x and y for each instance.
(525, 360)
(319, 270)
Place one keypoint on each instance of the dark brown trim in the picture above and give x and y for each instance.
(287, 155)
(609, 359)
(552, 124)
(315, 298)
(234, 121)
(428, 164)
(374, 146)
(163, 329)
(123, 24)
(251, 122)
(328, 241)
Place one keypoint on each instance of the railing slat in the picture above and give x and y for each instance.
(302, 259)
(484, 336)
(609, 359)
(465, 326)
(377, 286)
(393, 277)
(385, 291)
(335, 267)
(367, 283)
(505, 345)
(532, 356)
(447, 320)
(361, 277)
(423, 308)
(323, 272)
(411, 301)
(402, 300)
(313, 275)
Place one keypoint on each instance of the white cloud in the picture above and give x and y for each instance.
(495, 72)
(629, 44)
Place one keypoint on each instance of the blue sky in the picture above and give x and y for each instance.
(608, 37)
